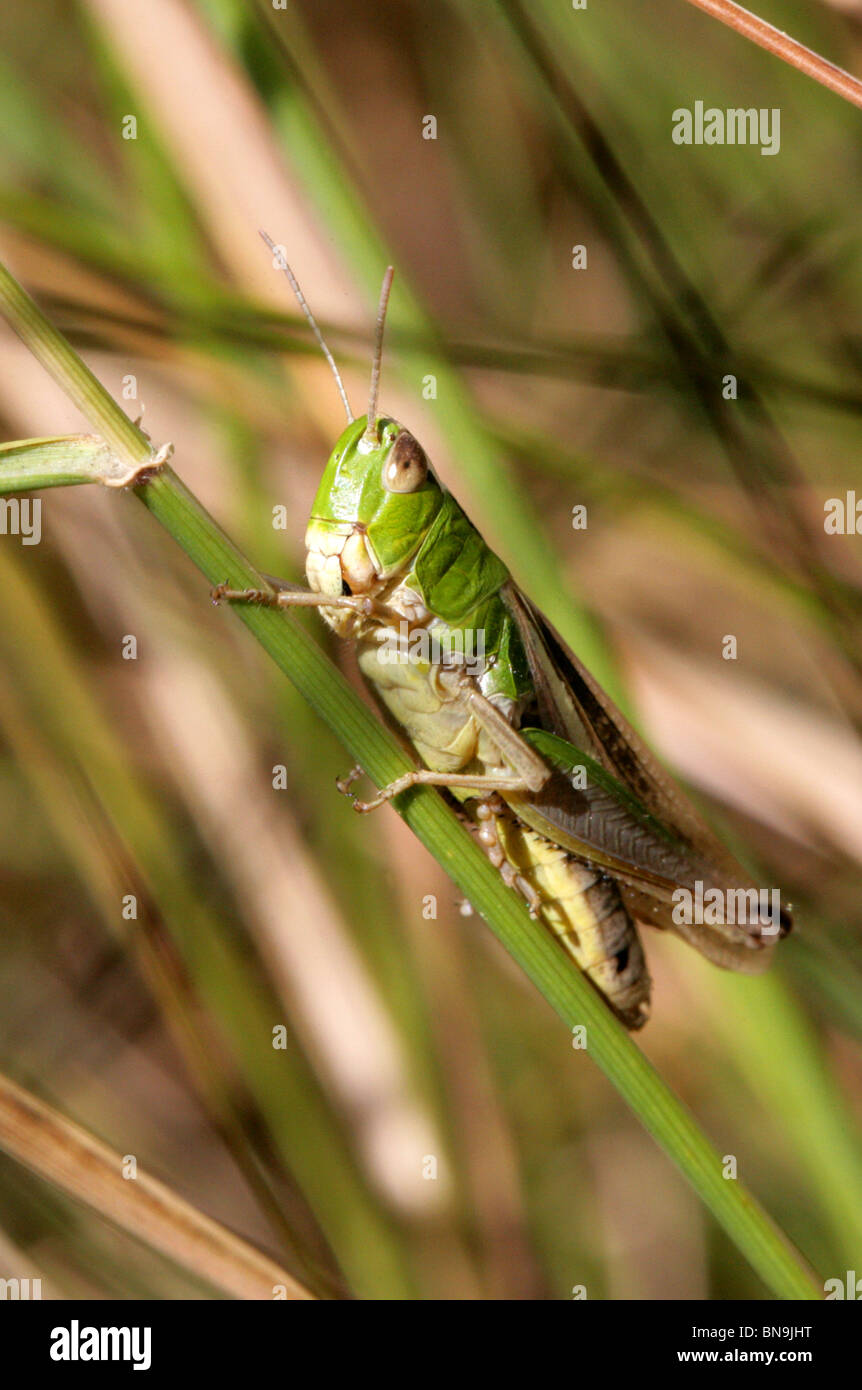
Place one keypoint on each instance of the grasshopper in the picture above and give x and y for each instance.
(563, 795)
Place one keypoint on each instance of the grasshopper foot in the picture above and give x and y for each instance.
(487, 812)
(223, 592)
(345, 783)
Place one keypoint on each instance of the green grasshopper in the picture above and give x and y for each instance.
(556, 786)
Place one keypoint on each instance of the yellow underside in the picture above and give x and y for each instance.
(581, 907)
(584, 911)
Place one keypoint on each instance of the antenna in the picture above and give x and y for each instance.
(294, 285)
(372, 434)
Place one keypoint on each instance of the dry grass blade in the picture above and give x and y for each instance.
(90, 1171)
(765, 35)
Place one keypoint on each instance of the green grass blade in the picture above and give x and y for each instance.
(29, 464)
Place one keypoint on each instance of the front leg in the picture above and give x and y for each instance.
(286, 596)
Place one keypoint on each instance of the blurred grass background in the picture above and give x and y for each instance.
(410, 1039)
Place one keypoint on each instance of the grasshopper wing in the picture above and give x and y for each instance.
(630, 818)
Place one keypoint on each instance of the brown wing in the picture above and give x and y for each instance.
(653, 843)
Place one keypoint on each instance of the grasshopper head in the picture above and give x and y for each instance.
(375, 503)
(377, 496)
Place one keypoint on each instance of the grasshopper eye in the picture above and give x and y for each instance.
(406, 468)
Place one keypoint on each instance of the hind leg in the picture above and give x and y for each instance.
(486, 812)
